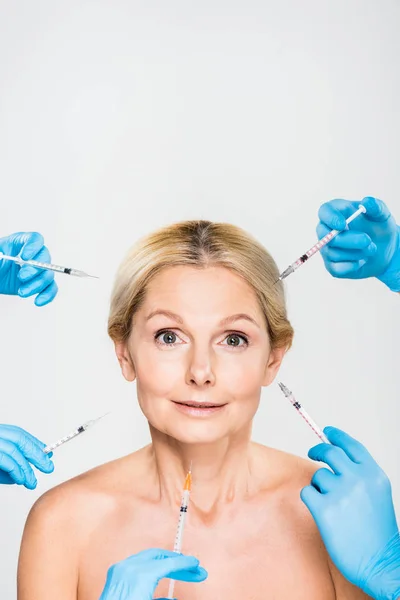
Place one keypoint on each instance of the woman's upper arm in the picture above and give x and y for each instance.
(48, 560)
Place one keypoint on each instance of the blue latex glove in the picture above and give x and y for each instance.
(353, 509)
(137, 577)
(369, 248)
(18, 448)
(26, 280)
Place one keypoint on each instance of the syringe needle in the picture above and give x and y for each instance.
(94, 421)
(318, 246)
(78, 273)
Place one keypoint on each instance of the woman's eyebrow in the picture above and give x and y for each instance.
(166, 313)
(226, 321)
(239, 317)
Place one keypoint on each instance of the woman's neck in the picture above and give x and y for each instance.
(222, 472)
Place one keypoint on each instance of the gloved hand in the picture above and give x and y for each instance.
(353, 509)
(26, 280)
(369, 248)
(18, 448)
(137, 577)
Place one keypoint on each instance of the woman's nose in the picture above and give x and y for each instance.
(200, 369)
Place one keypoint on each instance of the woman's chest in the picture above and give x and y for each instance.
(244, 561)
(253, 570)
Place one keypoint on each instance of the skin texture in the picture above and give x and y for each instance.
(246, 522)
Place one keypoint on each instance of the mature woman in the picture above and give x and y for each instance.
(200, 326)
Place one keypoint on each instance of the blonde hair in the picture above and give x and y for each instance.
(199, 244)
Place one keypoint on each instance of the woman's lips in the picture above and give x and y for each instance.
(199, 410)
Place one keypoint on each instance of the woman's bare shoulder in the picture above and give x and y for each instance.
(285, 468)
(62, 520)
(91, 494)
(284, 476)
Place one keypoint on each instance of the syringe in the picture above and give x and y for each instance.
(317, 247)
(304, 413)
(181, 524)
(46, 266)
(73, 434)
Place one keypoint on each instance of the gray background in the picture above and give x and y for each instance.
(118, 117)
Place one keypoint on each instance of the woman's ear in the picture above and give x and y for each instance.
(272, 367)
(125, 361)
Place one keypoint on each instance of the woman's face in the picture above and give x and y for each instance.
(200, 352)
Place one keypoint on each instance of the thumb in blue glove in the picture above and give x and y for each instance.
(137, 577)
(18, 449)
(26, 281)
(369, 248)
(353, 508)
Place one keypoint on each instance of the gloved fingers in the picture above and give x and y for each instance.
(333, 456)
(17, 434)
(164, 563)
(32, 244)
(345, 269)
(36, 285)
(339, 255)
(5, 479)
(48, 288)
(14, 243)
(29, 445)
(335, 212)
(28, 272)
(155, 556)
(156, 564)
(180, 567)
(352, 447)
(37, 457)
(47, 295)
(194, 575)
(17, 460)
(323, 480)
(151, 554)
(10, 471)
(311, 498)
(376, 209)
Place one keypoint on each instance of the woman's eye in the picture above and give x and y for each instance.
(167, 338)
(170, 338)
(234, 339)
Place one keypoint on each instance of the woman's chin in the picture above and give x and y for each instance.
(195, 440)
(194, 433)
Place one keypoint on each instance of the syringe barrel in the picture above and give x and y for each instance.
(316, 428)
(55, 268)
(63, 440)
(316, 248)
(181, 521)
(331, 235)
(45, 266)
